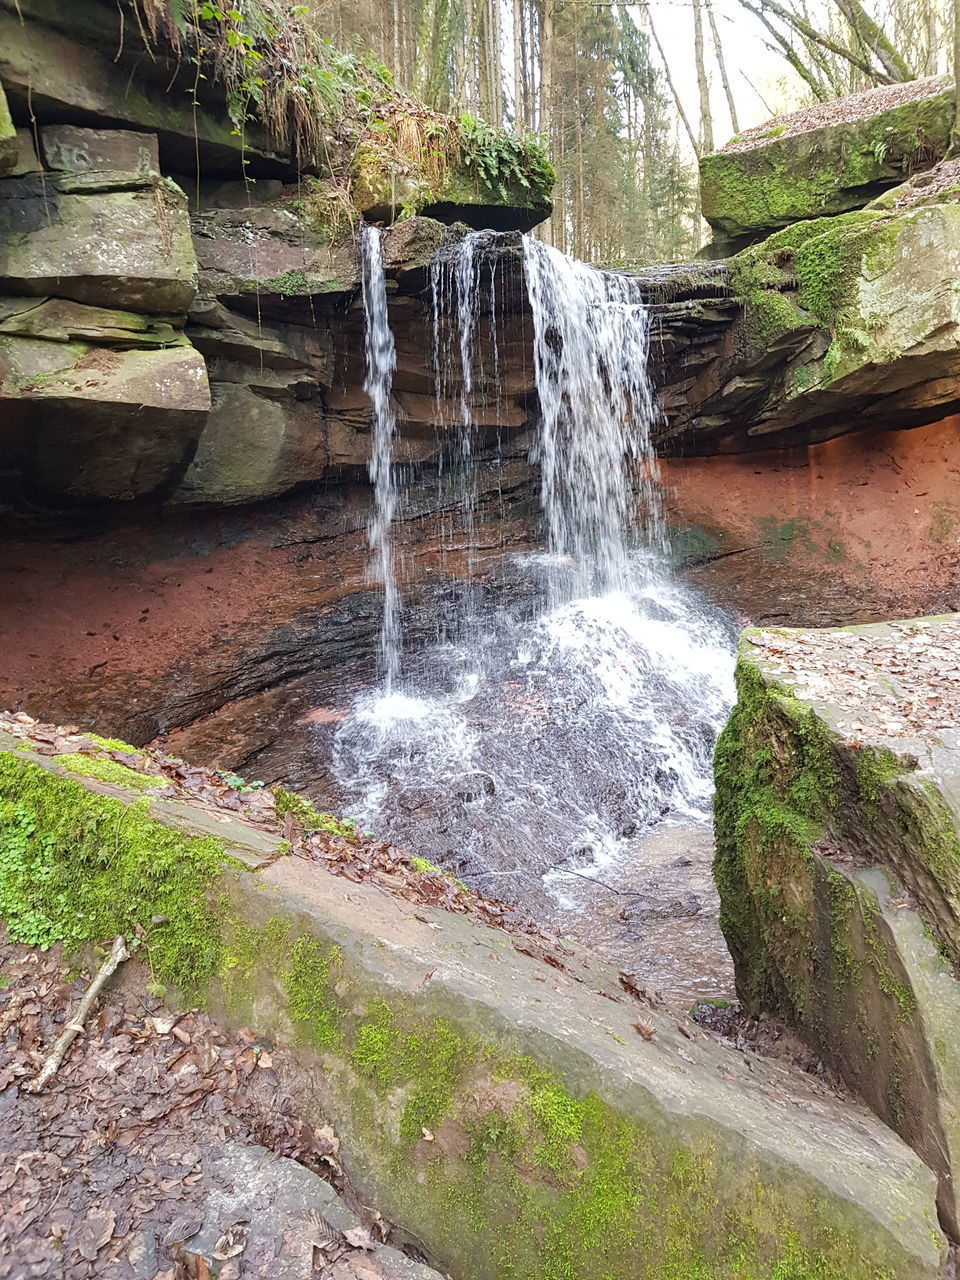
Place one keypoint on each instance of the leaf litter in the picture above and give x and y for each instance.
(895, 680)
(107, 1172)
(359, 858)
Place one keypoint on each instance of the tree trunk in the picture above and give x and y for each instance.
(721, 63)
(706, 116)
(685, 119)
(875, 39)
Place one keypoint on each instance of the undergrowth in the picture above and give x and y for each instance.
(276, 69)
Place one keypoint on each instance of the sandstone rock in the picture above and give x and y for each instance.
(95, 423)
(764, 183)
(501, 1118)
(253, 447)
(845, 323)
(28, 161)
(60, 320)
(838, 864)
(9, 143)
(128, 249)
(116, 152)
(63, 61)
(270, 252)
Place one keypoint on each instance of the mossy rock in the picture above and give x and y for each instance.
(747, 193)
(853, 313)
(514, 1128)
(9, 144)
(838, 866)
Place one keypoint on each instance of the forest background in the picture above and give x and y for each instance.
(625, 97)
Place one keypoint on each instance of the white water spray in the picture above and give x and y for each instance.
(539, 743)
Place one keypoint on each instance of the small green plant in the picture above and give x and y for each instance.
(310, 818)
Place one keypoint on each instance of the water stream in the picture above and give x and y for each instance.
(532, 748)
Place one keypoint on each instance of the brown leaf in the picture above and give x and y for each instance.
(96, 1231)
(645, 1028)
(231, 1243)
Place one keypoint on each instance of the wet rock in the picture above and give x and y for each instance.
(279, 1219)
(837, 840)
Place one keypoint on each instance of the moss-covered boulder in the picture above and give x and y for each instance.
(838, 865)
(797, 168)
(512, 1124)
(846, 322)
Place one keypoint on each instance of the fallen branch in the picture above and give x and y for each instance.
(118, 953)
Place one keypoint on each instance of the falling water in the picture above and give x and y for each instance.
(378, 384)
(558, 739)
(591, 347)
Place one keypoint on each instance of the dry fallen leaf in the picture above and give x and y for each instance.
(645, 1028)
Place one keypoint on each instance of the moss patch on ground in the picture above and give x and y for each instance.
(78, 867)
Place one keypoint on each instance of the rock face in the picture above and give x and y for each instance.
(825, 534)
(798, 167)
(838, 863)
(501, 1119)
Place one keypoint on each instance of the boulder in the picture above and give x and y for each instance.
(492, 1094)
(840, 324)
(837, 820)
(129, 249)
(95, 423)
(76, 62)
(800, 167)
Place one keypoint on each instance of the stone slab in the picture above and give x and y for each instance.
(69, 149)
(506, 1112)
(838, 864)
(125, 249)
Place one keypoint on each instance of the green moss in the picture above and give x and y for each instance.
(109, 771)
(308, 979)
(776, 780)
(427, 1063)
(309, 817)
(875, 768)
(111, 744)
(78, 867)
(289, 283)
(782, 180)
(807, 274)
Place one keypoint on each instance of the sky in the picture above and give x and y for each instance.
(756, 72)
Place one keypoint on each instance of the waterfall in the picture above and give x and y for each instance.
(378, 384)
(523, 744)
(591, 345)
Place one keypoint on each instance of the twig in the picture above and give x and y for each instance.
(623, 893)
(118, 953)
